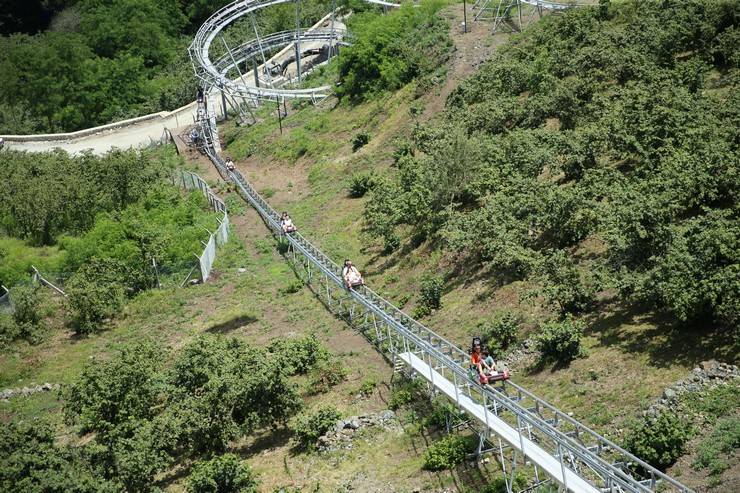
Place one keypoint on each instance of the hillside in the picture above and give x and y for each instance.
(568, 194)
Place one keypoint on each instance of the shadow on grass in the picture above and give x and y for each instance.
(231, 325)
(269, 439)
(541, 364)
(634, 330)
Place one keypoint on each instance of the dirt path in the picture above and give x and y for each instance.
(471, 50)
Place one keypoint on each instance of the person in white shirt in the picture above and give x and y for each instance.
(287, 223)
(352, 277)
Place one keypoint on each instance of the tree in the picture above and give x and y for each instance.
(222, 474)
(31, 462)
(110, 393)
(95, 293)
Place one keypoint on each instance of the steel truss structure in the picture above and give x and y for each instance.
(519, 426)
(523, 430)
(500, 12)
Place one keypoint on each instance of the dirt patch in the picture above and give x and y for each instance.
(471, 49)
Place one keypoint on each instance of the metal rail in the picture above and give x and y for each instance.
(598, 463)
(212, 74)
(594, 458)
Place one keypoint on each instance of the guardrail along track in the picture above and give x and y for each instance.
(520, 425)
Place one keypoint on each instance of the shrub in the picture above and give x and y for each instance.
(391, 50)
(326, 374)
(658, 440)
(442, 409)
(498, 485)
(25, 305)
(140, 449)
(430, 295)
(446, 453)
(308, 427)
(361, 183)
(224, 387)
(404, 393)
(713, 453)
(368, 387)
(563, 286)
(95, 293)
(8, 330)
(360, 140)
(108, 393)
(501, 332)
(561, 340)
(292, 287)
(30, 461)
(298, 356)
(223, 474)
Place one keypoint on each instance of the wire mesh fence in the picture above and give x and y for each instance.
(191, 181)
(5, 305)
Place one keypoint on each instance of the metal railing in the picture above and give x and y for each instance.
(597, 463)
(576, 447)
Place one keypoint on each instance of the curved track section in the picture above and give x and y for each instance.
(213, 74)
(255, 47)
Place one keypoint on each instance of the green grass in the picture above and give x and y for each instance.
(333, 222)
(16, 258)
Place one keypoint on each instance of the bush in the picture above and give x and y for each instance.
(308, 427)
(442, 409)
(391, 50)
(223, 474)
(361, 183)
(25, 321)
(561, 340)
(404, 393)
(326, 374)
(95, 293)
(564, 287)
(498, 485)
(292, 287)
(26, 301)
(368, 387)
(714, 452)
(658, 440)
(30, 461)
(109, 393)
(430, 295)
(360, 140)
(224, 387)
(298, 356)
(500, 333)
(446, 453)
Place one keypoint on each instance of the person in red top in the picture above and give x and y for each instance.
(478, 362)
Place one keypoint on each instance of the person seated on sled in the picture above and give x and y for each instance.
(477, 362)
(230, 164)
(194, 135)
(287, 223)
(488, 359)
(350, 274)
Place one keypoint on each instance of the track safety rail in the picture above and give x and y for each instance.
(602, 463)
(597, 463)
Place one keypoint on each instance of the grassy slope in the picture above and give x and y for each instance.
(243, 305)
(632, 356)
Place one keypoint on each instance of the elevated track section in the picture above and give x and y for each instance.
(523, 430)
(512, 422)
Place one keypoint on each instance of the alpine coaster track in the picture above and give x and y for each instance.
(519, 427)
